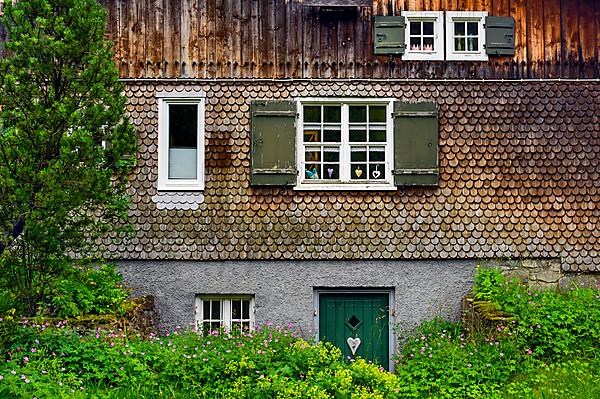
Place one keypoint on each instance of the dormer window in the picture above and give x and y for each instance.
(424, 38)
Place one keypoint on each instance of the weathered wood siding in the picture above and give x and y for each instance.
(519, 172)
(284, 38)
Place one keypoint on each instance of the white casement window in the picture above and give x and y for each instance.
(424, 35)
(465, 36)
(345, 144)
(234, 312)
(180, 141)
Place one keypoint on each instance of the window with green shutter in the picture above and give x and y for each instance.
(273, 158)
(415, 144)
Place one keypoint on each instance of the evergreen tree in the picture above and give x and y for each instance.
(63, 138)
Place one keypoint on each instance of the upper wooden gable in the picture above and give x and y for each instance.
(288, 38)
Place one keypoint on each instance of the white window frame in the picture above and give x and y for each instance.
(164, 100)
(305, 184)
(465, 16)
(225, 319)
(437, 17)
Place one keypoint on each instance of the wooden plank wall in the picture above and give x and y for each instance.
(283, 38)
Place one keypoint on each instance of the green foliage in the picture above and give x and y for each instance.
(60, 99)
(269, 363)
(550, 324)
(553, 343)
(439, 361)
(86, 291)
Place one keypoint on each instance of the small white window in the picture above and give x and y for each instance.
(234, 312)
(180, 141)
(345, 144)
(465, 36)
(424, 35)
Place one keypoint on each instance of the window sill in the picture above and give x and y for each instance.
(467, 57)
(422, 56)
(345, 187)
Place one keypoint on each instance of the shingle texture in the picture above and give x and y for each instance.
(519, 177)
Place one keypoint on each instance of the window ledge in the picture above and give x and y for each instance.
(345, 187)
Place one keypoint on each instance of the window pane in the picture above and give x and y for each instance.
(246, 326)
(459, 28)
(415, 28)
(312, 113)
(331, 155)
(183, 125)
(206, 310)
(216, 310)
(428, 28)
(358, 154)
(376, 114)
(377, 135)
(246, 310)
(472, 44)
(312, 155)
(359, 171)
(332, 171)
(459, 44)
(358, 136)
(377, 172)
(333, 114)
(312, 136)
(236, 309)
(183, 139)
(376, 154)
(428, 44)
(205, 328)
(332, 135)
(415, 43)
(358, 113)
(215, 325)
(472, 28)
(237, 326)
(312, 171)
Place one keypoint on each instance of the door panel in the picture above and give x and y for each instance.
(363, 318)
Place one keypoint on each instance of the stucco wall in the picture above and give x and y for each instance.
(284, 290)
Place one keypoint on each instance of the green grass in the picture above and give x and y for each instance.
(576, 378)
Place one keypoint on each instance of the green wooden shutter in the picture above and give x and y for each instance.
(415, 144)
(500, 35)
(389, 35)
(273, 157)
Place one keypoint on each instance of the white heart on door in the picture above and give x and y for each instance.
(353, 343)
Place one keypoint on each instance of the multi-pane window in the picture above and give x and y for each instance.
(345, 143)
(181, 143)
(235, 313)
(465, 35)
(424, 35)
(421, 36)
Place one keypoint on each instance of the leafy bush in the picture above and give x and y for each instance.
(551, 324)
(439, 361)
(269, 363)
(78, 290)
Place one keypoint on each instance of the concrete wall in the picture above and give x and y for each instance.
(284, 290)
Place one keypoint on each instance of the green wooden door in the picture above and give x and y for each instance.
(358, 322)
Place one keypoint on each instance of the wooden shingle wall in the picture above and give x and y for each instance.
(284, 38)
(519, 178)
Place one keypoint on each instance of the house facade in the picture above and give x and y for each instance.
(344, 166)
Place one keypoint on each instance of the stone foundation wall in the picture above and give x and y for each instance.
(545, 273)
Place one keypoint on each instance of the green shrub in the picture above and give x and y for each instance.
(550, 324)
(439, 361)
(269, 363)
(86, 290)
